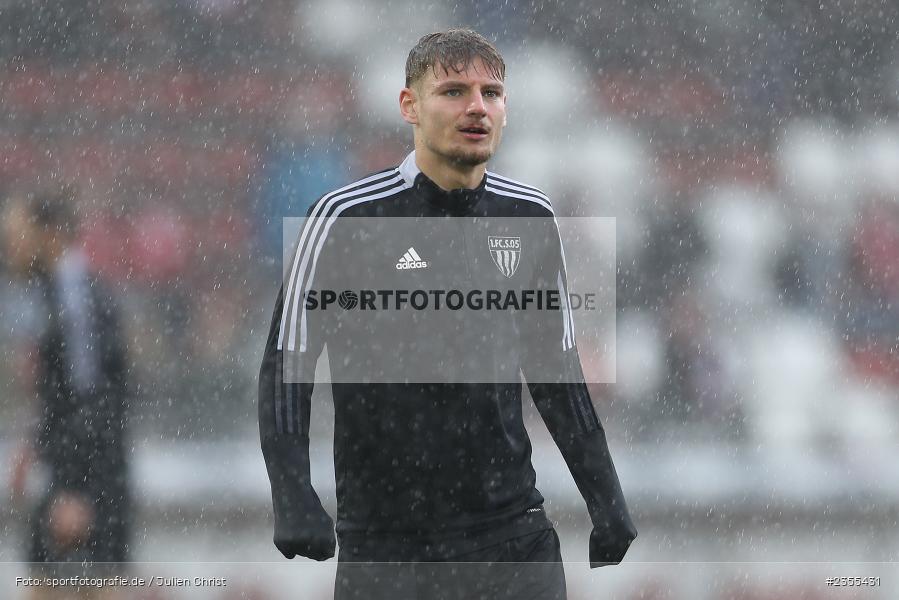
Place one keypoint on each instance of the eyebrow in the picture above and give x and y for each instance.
(459, 83)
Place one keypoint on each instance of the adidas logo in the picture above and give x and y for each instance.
(411, 260)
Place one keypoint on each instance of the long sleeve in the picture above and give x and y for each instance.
(555, 379)
(302, 526)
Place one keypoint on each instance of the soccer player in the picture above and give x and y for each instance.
(433, 468)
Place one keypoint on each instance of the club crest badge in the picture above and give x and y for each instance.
(506, 253)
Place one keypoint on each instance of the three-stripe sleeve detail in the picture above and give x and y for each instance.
(567, 323)
(508, 187)
(306, 240)
(515, 189)
(563, 290)
(584, 413)
(278, 385)
(312, 238)
(500, 179)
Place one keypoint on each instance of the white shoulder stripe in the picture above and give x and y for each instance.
(514, 188)
(310, 231)
(318, 247)
(355, 184)
(512, 182)
(544, 203)
(303, 260)
(567, 321)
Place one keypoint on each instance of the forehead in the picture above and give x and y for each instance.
(477, 71)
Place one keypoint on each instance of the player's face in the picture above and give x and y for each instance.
(461, 115)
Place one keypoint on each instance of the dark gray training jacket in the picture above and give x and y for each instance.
(431, 454)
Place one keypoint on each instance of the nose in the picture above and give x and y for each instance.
(476, 106)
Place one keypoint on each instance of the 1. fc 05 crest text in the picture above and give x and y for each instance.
(505, 252)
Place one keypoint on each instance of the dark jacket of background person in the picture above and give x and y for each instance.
(82, 416)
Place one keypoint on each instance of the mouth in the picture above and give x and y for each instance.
(474, 132)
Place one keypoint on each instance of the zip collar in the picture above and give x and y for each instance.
(456, 202)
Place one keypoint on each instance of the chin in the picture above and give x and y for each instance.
(471, 159)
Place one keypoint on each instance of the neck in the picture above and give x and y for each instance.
(448, 175)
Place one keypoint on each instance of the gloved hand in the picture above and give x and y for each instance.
(609, 542)
(302, 526)
(301, 532)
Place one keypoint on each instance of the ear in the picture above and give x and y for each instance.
(409, 105)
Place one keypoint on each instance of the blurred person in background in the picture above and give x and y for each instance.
(433, 472)
(79, 388)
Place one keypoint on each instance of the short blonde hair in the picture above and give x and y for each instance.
(452, 49)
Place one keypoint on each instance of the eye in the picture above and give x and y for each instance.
(492, 93)
(453, 93)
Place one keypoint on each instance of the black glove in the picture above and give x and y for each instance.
(301, 532)
(608, 544)
(302, 526)
(613, 529)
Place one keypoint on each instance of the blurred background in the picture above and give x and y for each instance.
(749, 152)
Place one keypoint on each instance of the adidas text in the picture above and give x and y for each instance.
(419, 264)
(411, 260)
